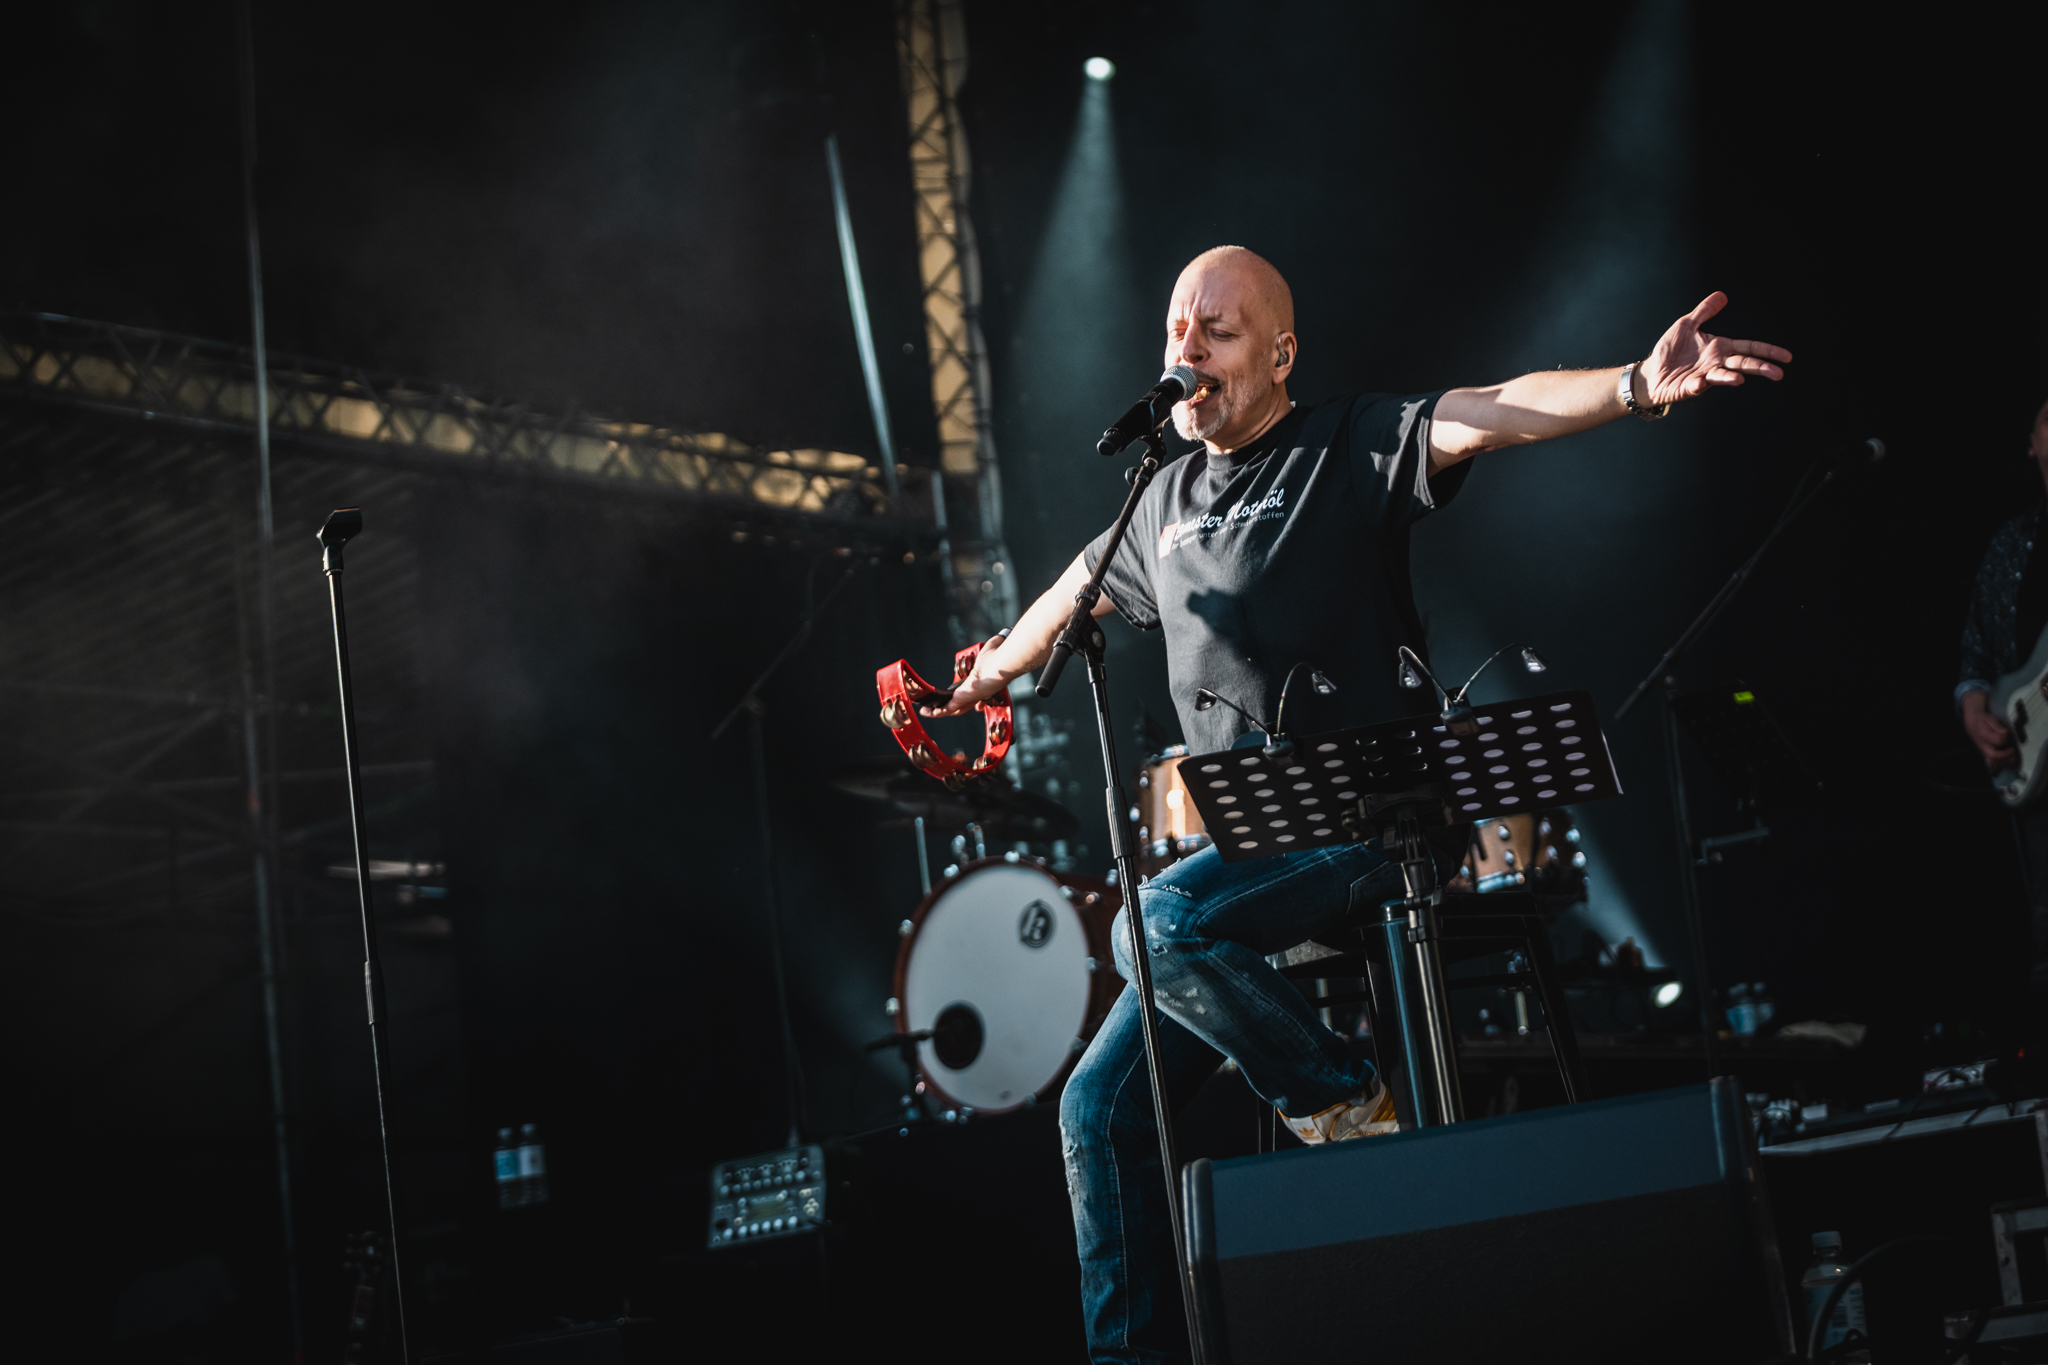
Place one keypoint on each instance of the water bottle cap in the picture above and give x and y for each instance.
(1827, 1241)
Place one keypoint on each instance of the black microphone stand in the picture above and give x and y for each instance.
(750, 704)
(1083, 636)
(1665, 672)
(341, 526)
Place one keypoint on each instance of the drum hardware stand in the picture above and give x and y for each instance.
(1665, 673)
(906, 1048)
(341, 526)
(1083, 636)
(750, 704)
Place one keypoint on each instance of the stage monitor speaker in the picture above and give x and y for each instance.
(1628, 1229)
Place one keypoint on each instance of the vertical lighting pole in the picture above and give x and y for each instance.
(262, 817)
(863, 333)
(343, 525)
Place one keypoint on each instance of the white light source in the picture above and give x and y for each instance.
(1099, 68)
(1667, 994)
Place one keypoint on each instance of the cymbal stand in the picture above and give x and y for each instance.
(1083, 636)
(750, 705)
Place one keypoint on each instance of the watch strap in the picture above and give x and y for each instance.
(1627, 393)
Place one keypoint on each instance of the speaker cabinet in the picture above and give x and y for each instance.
(1628, 1229)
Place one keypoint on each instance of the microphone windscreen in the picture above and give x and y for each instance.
(1182, 375)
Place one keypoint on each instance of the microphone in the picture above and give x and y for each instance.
(1147, 414)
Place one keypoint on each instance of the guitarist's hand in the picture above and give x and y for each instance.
(1986, 731)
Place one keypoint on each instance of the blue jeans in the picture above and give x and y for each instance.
(1208, 926)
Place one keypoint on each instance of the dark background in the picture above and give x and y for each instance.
(626, 209)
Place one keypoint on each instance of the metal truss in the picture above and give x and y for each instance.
(931, 46)
(209, 385)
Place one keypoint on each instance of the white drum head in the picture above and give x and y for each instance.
(1005, 944)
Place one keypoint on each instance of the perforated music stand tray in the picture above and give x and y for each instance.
(1531, 754)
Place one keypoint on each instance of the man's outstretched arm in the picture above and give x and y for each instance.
(1685, 363)
(1029, 644)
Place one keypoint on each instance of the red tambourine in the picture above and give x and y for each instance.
(901, 690)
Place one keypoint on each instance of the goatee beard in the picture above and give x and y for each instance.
(1200, 426)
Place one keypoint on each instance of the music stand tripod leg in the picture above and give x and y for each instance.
(1416, 960)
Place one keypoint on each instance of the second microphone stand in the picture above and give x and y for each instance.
(1083, 636)
(1665, 673)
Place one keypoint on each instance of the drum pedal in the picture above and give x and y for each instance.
(775, 1194)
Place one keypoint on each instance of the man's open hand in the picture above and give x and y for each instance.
(1687, 361)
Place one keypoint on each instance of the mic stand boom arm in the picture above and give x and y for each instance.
(1712, 611)
(1083, 636)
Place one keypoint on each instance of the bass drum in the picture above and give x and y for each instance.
(1008, 964)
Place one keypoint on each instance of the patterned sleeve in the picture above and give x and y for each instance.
(1979, 666)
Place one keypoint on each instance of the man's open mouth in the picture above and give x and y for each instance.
(1202, 390)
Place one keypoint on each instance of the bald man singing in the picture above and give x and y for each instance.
(1285, 542)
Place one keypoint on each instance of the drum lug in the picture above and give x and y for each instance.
(903, 931)
(893, 1007)
(1093, 965)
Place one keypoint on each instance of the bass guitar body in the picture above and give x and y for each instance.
(2021, 701)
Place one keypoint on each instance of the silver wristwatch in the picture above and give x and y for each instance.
(1628, 395)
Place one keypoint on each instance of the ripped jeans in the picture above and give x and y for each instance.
(1209, 925)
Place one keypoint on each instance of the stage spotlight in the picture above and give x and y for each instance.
(1099, 68)
(1667, 994)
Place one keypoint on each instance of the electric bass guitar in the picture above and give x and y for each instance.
(2021, 701)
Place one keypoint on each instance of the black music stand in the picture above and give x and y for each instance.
(1744, 745)
(1394, 781)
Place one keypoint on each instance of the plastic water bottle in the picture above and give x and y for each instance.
(533, 1165)
(505, 1162)
(1821, 1274)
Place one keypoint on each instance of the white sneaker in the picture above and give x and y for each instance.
(1367, 1116)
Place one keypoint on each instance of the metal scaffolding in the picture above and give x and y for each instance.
(931, 46)
(210, 386)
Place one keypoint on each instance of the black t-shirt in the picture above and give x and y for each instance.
(1293, 550)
